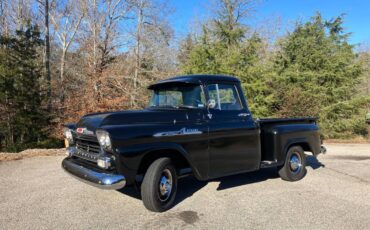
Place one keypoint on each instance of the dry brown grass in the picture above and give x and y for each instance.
(356, 140)
(31, 153)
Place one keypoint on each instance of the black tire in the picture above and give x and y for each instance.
(294, 168)
(151, 195)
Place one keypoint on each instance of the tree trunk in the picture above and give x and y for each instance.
(138, 44)
(47, 55)
(2, 17)
(95, 38)
(61, 81)
(21, 138)
(10, 138)
(19, 15)
(62, 65)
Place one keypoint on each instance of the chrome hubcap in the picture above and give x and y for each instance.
(165, 185)
(295, 163)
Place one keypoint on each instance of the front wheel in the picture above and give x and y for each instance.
(294, 168)
(158, 190)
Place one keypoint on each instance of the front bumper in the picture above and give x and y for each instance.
(94, 178)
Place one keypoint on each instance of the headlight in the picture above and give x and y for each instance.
(68, 135)
(104, 139)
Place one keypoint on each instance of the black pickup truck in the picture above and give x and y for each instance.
(198, 125)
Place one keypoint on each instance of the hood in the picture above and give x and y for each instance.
(97, 120)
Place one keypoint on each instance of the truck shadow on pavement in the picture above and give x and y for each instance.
(246, 178)
(313, 162)
(190, 185)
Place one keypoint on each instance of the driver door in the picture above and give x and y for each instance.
(233, 135)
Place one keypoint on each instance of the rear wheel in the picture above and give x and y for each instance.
(159, 186)
(294, 168)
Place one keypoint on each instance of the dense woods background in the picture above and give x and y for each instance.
(62, 59)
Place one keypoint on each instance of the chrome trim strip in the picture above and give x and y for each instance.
(244, 114)
(180, 132)
(91, 177)
(218, 97)
(239, 98)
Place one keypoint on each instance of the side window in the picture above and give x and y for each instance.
(226, 96)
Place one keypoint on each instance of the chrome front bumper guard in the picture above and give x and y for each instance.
(94, 178)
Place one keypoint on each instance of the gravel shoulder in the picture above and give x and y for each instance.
(37, 194)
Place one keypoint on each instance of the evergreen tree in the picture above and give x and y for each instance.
(313, 73)
(227, 25)
(224, 48)
(202, 55)
(185, 48)
(20, 86)
(316, 68)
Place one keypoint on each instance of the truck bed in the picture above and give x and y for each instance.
(277, 133)
(287, 120)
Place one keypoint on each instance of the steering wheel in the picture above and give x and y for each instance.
(198, 102)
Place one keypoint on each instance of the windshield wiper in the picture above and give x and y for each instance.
(174, 107)
(187, 107)
(164, 106)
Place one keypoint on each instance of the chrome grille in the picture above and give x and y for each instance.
(87, 149)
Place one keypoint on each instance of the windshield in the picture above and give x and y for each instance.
(184, 96)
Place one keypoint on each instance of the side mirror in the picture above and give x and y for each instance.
(211, 104)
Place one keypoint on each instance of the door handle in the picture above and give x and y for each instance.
(244, 114)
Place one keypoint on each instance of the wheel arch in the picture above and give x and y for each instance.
(179, 158)
(303, 143)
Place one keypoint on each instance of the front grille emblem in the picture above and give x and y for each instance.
(84, 131)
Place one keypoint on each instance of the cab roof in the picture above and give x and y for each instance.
(194, 79)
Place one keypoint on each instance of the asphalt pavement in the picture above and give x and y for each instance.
(35, 193)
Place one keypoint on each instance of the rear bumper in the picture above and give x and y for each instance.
(323, 149)
(94, 178)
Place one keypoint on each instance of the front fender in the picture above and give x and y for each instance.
(130, 157)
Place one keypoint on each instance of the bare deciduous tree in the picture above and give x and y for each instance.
(102, 20)
(3, 24)
(102, 38)
(66, 20)
(152, 33)
(66, 17)
(15, 13)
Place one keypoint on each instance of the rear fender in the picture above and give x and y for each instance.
(306, 135)
(303, 142)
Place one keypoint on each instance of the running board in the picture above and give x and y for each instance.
(185, 172)
(269, 164)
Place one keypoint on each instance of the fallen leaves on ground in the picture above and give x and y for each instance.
(31, 153)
